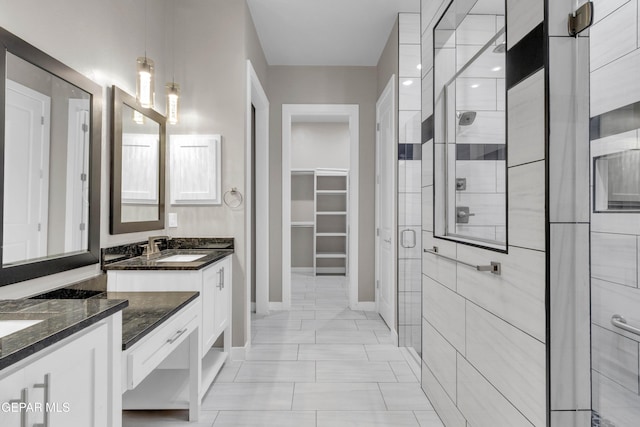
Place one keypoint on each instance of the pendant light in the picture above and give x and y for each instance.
(173, 89)
(145, 83)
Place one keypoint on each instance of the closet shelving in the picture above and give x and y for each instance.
(319, 220)
(332, 212)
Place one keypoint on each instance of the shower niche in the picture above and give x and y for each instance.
(470, 124)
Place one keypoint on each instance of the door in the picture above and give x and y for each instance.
(386, 205)
(614, 67)
(26, 192)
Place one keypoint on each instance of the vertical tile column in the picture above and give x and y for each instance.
(409, 197)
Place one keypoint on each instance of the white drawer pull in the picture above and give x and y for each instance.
(176, 336)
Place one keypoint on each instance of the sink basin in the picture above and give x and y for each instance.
(8, 327)
(181, 258)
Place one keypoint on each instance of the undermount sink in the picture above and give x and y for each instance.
(181, 258)
(8, 327)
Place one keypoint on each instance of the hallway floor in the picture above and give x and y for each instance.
(318, 365)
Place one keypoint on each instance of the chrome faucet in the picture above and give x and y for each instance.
(152, 250)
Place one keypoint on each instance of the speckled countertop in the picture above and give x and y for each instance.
(142, 263)
(60, 319)
(146, 311)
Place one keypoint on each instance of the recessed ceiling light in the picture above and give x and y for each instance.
(496, 69)
(475, 86)
(407, 82)
(419, 66)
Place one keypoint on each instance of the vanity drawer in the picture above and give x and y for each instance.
(147, 354)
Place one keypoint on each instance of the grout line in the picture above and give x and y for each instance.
(383, 399)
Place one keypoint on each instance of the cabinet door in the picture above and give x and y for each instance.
(71, 383)
(222, 292)
(210, 279)
(12, 389)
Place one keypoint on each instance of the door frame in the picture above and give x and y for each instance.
(352, 112)
(389, 92)
(258, 97)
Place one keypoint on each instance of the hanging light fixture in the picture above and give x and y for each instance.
(173, 89)
(145, 92)
(173, 102)
(145, 83)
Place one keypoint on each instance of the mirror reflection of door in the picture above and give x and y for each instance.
(26, 173)
(140, 163)
(77, 200)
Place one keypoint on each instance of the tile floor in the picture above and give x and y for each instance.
(318, 365)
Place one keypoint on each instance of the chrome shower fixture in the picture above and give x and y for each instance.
(501, 48)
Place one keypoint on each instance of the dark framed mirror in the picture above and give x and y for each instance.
(137, 165)
(50, 129)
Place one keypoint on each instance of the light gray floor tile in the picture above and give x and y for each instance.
(332, 352)
(293, 315)
(284, 337)
(329, 325)
(366, 419)
(266, 419)
(249, 397)
(385, 337)
(346, 337)
(277, 371)
(373, 315)
(405, 397)
(166, 418)
(273, 352)
(403, 372)
(228, 372)
(369, 324)
(428, 419)
(343, 396)
(383, 352)
(340, 314)
(282, 324)
(354, 372)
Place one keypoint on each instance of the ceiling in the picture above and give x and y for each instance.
(326, 32)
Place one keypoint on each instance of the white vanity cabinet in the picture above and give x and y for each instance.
(214, 284)
(70, 383)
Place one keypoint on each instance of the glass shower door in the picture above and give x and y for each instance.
(615, 215)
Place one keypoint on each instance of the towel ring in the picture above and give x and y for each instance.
(233, 193)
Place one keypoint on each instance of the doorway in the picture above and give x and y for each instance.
(257, 191)
(345, 195)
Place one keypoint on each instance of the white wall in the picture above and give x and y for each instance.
(213, 39)
(320, 145)
(102, 41)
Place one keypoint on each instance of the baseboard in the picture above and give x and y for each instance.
(276, 306)
(331, 270)
(239, 353)
(364, 306)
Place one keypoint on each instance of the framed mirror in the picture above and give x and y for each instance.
(470, 124)
(137, 166)
(50, 128)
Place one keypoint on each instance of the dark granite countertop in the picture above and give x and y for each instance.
(146, 311)
(131, 250)
(60, 319)
(142, 263)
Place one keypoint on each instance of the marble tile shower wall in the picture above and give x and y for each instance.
(484, 336)
(615, 237)
(409, 176)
